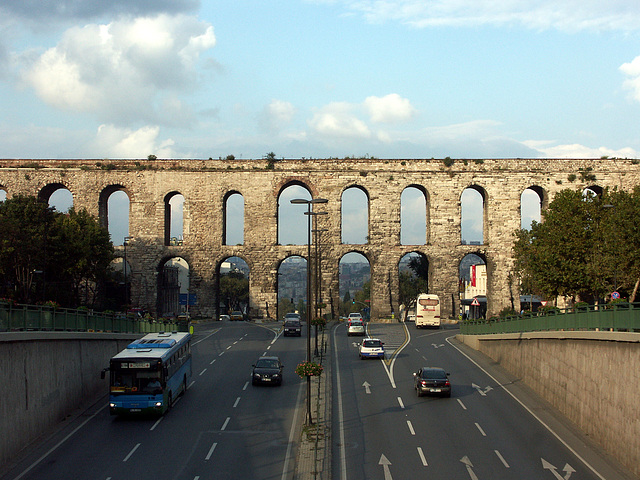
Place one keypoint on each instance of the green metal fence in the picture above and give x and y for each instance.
(621, 317)
(15, 317)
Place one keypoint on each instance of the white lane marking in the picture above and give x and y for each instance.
(292, 432)
(221, 353)
(55, 447)
(343, 455)
(156, 424)
(131, 452)
(228, 347)
(461, 404)
(236, 402)
(269, 347)
(413, 432)
(226, 422)
(395, 355)
(400, 402)
(422, 457)
(202, 372)
(236, 341)
(191, 384)
(549, 429)
(504, 462)
(245, 386)
(203, 339)
(481, 431)
(213, 447)
(212, 361)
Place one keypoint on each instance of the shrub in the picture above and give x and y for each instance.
(307, 369)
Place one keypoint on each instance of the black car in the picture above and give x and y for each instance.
(267, 370)
(292, 327)
(433, 381)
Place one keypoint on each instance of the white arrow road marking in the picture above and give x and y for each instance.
(469, 466)
(436, 345)
(480, 390)
(547, 466)
(366, 387)
(385, 465)
(568, 470)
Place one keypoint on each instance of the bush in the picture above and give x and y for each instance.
(306, 369)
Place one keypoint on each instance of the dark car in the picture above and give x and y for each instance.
(292, 327)
(432, 381)
(267, 370)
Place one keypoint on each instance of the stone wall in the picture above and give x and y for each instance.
(593, 378)
(206, 183)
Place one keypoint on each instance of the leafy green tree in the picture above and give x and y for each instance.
(584, 247)
(234, 288)
(410, 287)
(24, 226)
(47, 255)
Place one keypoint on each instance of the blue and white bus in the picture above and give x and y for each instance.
(148, 375)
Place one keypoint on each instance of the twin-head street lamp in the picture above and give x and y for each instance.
(309, 213)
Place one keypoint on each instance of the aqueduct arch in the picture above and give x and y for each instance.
(206, 184)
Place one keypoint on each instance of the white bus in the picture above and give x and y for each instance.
(427, 311)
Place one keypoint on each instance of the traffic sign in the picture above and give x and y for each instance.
(475, 302)
(615, 295)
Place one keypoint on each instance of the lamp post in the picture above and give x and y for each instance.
(318, 272)
(124, 268)
(309, 213)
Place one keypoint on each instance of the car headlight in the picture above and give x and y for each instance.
(112, 405)
(158, 404)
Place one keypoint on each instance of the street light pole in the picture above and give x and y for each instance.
(309, 213)
(124, 268)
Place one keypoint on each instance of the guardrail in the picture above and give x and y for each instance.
(621, 317)
(17, 317)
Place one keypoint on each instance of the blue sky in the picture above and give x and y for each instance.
(319, 78)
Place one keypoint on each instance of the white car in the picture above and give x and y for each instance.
(371, 348)
(355, 327)
(355, 316)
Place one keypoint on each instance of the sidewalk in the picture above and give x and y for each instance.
(314, 454)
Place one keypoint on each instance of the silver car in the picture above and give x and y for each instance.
(355, 327)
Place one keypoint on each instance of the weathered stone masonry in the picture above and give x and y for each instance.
(205, 184)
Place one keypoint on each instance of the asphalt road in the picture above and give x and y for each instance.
(490, 428)
(222, 428)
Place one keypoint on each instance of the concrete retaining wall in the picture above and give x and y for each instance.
(593, 378)
(45, 377)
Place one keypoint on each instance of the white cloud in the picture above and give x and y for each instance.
(566, 15)
(390, 108)
(276, 115)
(114, 142)
(338, 120)
(548, 150)
(632, 69)
(120, 72)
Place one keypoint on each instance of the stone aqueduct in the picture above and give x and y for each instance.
(205, 185)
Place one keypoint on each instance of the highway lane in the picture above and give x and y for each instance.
(481, 432)
(222, 428)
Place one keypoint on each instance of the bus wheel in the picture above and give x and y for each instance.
(184, 386)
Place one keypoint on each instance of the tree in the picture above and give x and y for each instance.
(47, 255)
(584, 247)
(234, 287)
(410, 287)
